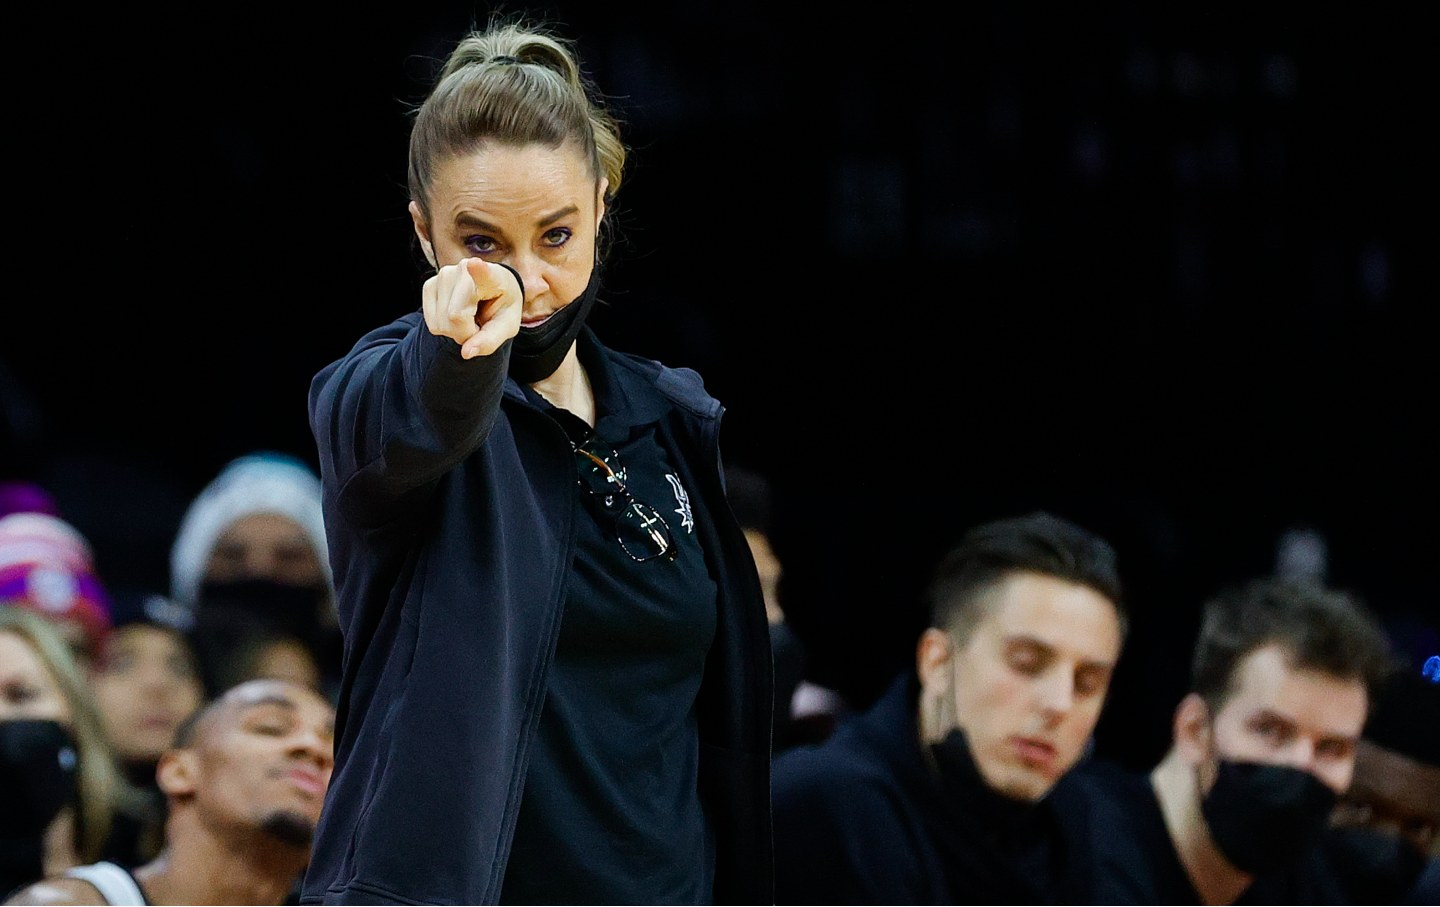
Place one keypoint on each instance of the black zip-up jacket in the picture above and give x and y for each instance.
(450, 507)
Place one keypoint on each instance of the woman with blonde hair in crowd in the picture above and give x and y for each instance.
(61, 788)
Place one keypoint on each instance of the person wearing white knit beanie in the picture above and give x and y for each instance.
(250, 574)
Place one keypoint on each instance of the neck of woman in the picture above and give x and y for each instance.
(569, 388)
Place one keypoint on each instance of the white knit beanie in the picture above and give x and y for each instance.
(261, 482)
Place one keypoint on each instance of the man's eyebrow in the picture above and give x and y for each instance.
(284, 702)
(1265, 713)
(1025, 639)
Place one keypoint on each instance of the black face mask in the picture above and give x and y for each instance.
(538, 352)
(276, 607)
(1372, 866)
(964, 783)
(230, 617)
(1265, 816)
(38, 766)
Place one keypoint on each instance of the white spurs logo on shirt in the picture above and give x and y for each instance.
(687, 520)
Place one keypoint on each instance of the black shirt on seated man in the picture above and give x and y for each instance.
(1262, 746)
(945, 790)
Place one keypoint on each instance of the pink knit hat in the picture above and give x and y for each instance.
(47, 566)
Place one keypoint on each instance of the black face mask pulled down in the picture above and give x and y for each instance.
(1265, 816)
(538, 352)
(1374, 867)
(38, 769)
(1001, 845)
(965, 785)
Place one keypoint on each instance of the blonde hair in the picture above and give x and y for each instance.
(100, 786)
(518, 84)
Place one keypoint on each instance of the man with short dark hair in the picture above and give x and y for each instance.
(803, 711)
(245, 782)
(1262, 746)
(942, 792)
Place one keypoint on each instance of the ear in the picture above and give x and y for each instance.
(176, 773)
(600, 202)
(932, 660)
(933, 654)
(1192, 730)
(418, 218)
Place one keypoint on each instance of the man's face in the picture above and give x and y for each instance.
(1284, 715)
(1028, 684)
(263, 760)
(768, 565)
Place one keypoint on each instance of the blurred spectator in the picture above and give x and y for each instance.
(804, 712)
(59, 787)
(1387, 824)
(947, 790)
(1262, 746)
(146, 682)
(47, 566)
(250, 568)
(245, 781)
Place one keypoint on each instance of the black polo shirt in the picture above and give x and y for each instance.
(611, 810)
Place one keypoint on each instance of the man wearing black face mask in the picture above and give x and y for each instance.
(949, 789)
(250, 575)
(1261, 749)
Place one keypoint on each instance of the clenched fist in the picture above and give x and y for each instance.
(474, 302)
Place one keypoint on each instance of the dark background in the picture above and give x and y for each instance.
(1156, 271)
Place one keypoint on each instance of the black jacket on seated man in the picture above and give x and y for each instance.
(871, 817)
(1136, 861)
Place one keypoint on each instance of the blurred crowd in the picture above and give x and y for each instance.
(177, 749)
(96, 690)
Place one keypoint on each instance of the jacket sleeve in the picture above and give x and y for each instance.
(397, 412)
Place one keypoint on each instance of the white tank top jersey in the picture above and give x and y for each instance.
(115, 885)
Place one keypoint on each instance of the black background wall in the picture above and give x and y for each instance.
(1158, 272)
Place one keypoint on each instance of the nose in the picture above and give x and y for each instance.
(1055, 692)
(314, 746)
(1300, 754)
(532, 272)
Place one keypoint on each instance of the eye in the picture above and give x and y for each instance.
(1333, 749)
(480, 244)
(272, 723)
(1026, 659)
(1274, 731)
(227, 554)
(292, 555)
(557, 237)
(179, 666)
(20, 693)
(1091, 681)
(120, 663)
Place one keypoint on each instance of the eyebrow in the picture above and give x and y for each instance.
(284, 702)
(1025, 639)
(271, 699)
(466, 219)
